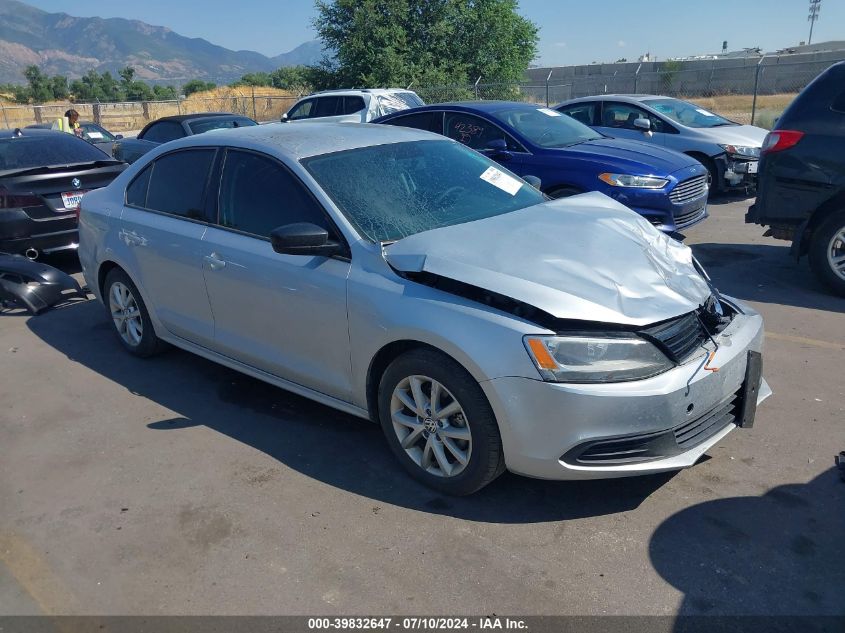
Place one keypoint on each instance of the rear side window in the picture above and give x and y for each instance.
(56, 148)
(583, 112)
(136, 192)
(258, 195)
(428, 121)
(163, 131)
(351, 105)
(838, 104)
(329, 106)
(178, 183)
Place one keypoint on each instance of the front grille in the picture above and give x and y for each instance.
(690, 217)
(678, 338)
(689, 190)
(659, 445)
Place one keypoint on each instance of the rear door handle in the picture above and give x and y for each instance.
(214, 262)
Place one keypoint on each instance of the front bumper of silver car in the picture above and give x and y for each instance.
(592, 431)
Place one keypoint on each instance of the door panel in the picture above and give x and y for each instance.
(284, 314)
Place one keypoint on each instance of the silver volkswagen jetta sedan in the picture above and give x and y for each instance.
(400, 276)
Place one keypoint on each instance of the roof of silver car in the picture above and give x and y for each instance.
(307, 138)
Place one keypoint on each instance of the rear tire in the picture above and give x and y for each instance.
(129, 315)
(827, 252)
(439, 424)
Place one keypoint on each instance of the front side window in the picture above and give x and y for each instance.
(258, 195)
(301, 110)
(178, 183)
(623, 115)
(163, 131)
(398, 189)
(687, 113)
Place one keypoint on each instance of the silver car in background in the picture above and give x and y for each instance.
(729, 150)
(400, 276)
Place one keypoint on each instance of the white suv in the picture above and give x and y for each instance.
(359, 106)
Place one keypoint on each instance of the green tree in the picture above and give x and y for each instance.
(40, 89)
(397, 42)
(197, 85)
(254, 79)
(164, 93)
(297, 78)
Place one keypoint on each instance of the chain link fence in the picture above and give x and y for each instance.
(752, 91)
(134, 115)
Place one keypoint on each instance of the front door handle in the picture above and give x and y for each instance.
(214, 262)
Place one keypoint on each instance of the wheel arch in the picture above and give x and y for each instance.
(826, 209)
(386, 355)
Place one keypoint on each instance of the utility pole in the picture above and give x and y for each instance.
(815, 7)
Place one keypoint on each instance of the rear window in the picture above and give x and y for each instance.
(56, 148)
(206, 125)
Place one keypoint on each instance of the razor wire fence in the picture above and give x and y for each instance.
(749, 90)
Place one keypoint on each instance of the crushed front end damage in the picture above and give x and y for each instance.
(34, 286)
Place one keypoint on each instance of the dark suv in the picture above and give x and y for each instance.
(801, 184)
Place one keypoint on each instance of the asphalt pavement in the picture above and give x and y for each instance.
(176, 486)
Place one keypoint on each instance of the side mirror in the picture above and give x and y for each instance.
(285, 117)
(643, 124)
(303, 238)
(498, 149)
(533, 181)
(118, 136)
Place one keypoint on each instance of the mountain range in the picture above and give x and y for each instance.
(61, 44)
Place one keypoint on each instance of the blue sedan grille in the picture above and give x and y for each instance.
(689, 190)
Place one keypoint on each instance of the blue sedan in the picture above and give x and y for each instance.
(666, 187)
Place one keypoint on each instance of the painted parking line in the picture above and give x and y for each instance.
(806, 341)
(34, 575)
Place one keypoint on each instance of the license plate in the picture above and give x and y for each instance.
(750, 388)
(752, 168)
(71, 199)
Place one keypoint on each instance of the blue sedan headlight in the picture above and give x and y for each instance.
(636, 182)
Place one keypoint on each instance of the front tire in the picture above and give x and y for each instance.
(129, 315)
(827, 252)
(439, 424)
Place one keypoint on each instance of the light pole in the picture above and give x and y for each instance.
(815, 7)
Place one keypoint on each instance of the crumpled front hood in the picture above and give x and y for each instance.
(584, 258)
(744, 135)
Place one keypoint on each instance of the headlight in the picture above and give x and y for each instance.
(585, 358)
(627, 180)
(741, 150)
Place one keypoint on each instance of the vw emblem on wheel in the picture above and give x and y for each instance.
(76, 182)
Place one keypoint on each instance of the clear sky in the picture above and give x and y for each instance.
(571, 32)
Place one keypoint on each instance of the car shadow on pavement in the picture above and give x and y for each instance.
(337, 449)
(779, 554)
(765, 273)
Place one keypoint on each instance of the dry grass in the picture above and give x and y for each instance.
(738, 107)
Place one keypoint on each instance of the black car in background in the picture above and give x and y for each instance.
(170, 128)
(801, 184)
(91, 132)
(43, 175)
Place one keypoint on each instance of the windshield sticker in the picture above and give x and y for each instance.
(95, 134)
(704, 112)
(549, 112)
(501, 180)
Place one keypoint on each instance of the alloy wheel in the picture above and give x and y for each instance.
(836, 253)
(125, 314)
(431, 426)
